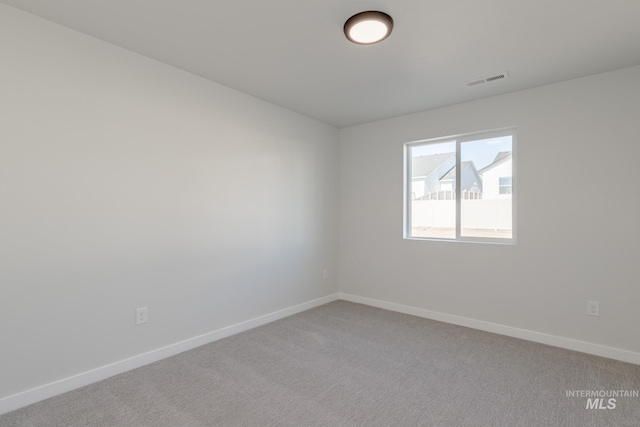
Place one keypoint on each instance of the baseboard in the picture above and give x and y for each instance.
(553, 340)
(46, 391)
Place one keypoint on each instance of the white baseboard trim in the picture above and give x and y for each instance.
(539, 337)
(64, 385)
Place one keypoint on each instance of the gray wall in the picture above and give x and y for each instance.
(572, 246)
(126, 183)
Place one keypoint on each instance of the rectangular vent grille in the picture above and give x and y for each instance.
(498, 77)
(489, 79)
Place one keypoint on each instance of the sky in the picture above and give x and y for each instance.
(482, 152)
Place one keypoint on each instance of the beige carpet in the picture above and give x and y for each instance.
(346, 364)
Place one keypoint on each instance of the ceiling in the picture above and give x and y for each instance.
(293, 53)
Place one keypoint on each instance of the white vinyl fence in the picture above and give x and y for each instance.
(477, 214)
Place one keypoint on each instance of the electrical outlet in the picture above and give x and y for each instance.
(593, 308)
(325, 274)
(141, 315)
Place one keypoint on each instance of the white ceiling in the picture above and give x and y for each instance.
(293, 52)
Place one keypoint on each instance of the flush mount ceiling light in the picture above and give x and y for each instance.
(368, 27)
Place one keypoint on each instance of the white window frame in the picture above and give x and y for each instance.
(459, 140)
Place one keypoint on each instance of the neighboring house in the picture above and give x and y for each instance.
(471, 180)
(426, 172)
(497, 177)
(437, 172)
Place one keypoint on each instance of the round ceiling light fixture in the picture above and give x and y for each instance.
(368, 27)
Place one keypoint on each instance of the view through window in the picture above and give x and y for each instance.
(481, 207)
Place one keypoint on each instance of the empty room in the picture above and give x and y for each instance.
(330, 213)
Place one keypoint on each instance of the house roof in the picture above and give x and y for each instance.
(501, 158)
(425, 165)
(452, 173)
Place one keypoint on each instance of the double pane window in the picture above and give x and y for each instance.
(461, 188)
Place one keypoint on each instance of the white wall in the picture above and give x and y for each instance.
(126, 183)
(576, 252)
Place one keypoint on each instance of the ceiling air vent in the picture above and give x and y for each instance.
(489, 79)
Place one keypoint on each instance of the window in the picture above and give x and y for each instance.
(481, 208)
(505, 184)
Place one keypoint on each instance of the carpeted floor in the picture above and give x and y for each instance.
(346, 364)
